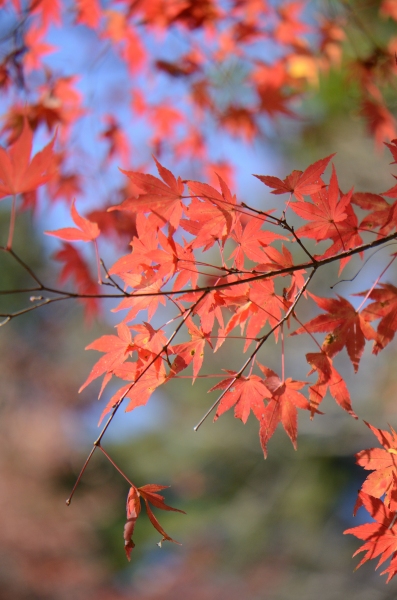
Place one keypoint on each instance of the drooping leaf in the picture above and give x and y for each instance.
(328, 378)
(150, 494)
(383, 463)
(282, 407)
(380, 537)
(86, 231)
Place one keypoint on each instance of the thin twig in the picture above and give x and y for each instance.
(113, 282)
(118, 404)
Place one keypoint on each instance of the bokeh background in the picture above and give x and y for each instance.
(254, 529)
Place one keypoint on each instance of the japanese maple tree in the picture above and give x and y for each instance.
(188, 263)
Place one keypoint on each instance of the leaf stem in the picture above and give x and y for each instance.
(12, 224)
(98, 263)
(282, 352)
(115, 466)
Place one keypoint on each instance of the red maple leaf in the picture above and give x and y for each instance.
(17, 173)
(48, 11)
(326, 211)
(246, 393)
(345, 237)
(381, 536)
(299, 183)
(257, 304)
(348, 328)
(380, 215)
(36, 48)
(163, 198)
(86, 231)
(383, 463)
(384, 308)
(268, 305)
(188, 352)
(150, 494)
(328, 378)
(251, 242)
(208, 307)
(212, 218)
(142, 285)
(117, 349)
(144, 243)
(139, 390)
(282, 260)
(88, 13)
(282, 407)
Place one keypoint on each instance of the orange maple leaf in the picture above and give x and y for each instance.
(246, 394)
(86, 231)
(383, 463)
(17, 173)
(299, 183)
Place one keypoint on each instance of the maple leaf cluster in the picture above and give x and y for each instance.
(381, 534)
(205, 266)
(178, 225)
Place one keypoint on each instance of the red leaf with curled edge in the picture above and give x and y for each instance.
(246, 393)
(86, 232)
(384, 308)
(381, 214)
(163, 198)
(381, 537)
(282, 407)
(117, 349)
(133, 510)
(299, 183)
(150, 494)
(383, 463)
(348, 328)
(17, 173)
(328, 378)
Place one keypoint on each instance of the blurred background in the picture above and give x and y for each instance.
(254, 529)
